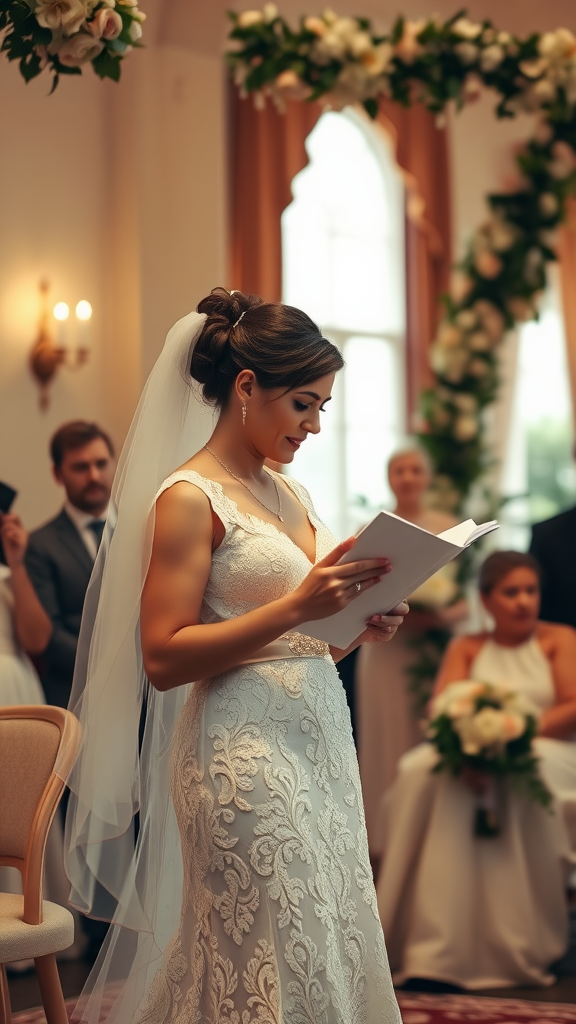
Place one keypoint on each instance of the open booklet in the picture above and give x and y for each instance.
(415, 555)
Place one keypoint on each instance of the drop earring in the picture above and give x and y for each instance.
(243, 414)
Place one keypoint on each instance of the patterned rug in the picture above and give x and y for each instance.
(428, 1009)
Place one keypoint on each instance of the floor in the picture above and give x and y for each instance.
(24, 991)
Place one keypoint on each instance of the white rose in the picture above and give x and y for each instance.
(489, 726)
(79, 49)
(466, 29)
(491, 57)
(467, 52)
(461, 708)
(534, 67)
(359, 44)
(466, 319)
(249, 18)
(378, 58)
(504, 38)
(544, 91)
(330, 46)
(465, 428)
(135, 31)
(61, 15)
(270, 12)
(557, 45)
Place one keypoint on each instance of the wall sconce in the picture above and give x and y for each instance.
(47, 356)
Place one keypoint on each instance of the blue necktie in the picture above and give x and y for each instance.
(97, 528)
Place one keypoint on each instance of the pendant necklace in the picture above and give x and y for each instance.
(249, 489)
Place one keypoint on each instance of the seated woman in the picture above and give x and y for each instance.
(479, 912)
(388, 720)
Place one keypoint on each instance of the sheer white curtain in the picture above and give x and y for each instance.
(343, 262)
(537, 464)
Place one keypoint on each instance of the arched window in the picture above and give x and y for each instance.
(343, 263)
(538, 464)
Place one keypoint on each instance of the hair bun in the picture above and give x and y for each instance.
(212, 353)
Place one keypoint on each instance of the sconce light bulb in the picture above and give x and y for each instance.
(61, 311)
(83, 310)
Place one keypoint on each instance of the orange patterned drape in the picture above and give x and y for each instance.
(267, 149)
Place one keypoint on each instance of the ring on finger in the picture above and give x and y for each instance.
(358, 587)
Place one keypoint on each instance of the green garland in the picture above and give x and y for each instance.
(62, 36)
(434, 62)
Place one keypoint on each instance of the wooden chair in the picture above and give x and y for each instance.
(32, 737)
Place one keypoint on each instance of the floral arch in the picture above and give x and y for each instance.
(341, 61)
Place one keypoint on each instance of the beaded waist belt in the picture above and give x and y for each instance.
(290, 645)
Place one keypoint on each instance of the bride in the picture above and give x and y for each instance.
(249, 896)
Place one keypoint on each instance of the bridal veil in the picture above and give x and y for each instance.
(122, 841)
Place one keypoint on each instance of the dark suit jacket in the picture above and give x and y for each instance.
(554, 546)
(59, 566)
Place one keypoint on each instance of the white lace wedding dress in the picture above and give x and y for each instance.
(279, 921)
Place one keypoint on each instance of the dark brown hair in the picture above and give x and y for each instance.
(280, 344)
(499, 564)
(74, 435)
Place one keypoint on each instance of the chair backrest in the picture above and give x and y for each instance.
(32, 739)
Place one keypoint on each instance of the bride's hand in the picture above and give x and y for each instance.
(329, 587)
(383, 627)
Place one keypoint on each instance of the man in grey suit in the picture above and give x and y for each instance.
(61, 554)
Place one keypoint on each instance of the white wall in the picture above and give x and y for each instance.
(116, 194)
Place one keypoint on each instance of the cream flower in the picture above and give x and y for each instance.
(466, 319)
(466, 29)
(438, 591)
(61, 15)
(378, 58)
(135, 31)
(473, 86)
(564, 162)
(270, 12)
(246, 19)
(491, 57)
(467, 52)
(466, 428)
(534, 67)
(79, 49)
(557, 45)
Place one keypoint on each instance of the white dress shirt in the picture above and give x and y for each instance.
(81, 520)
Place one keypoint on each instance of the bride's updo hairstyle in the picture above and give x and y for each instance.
(499, 564)
(281, 345)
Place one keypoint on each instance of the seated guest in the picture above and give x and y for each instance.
(61, 554)
(26, 629)
(387, 716)
(487, 912)
(554, 547)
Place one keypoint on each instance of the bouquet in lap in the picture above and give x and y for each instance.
(482, 730)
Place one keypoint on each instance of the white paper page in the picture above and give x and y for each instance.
(459, 534)
(415, 554)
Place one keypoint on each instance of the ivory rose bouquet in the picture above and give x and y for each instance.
(64, 35)
(487, 730)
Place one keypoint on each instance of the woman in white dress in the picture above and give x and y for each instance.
(490, 912)
(270, 913)
(388, 723)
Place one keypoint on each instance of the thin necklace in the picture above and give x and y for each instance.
(249, 489)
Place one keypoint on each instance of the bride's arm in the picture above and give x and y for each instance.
(176, 648)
